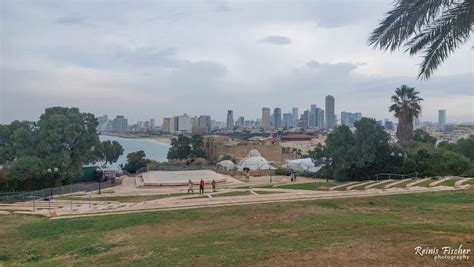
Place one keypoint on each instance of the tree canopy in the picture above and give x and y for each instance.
(185, 147)
(435, 28)
(135, 161)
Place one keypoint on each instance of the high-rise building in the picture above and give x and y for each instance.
(205, 123)
(152, 124)
(241, 121)
(265, 118)
(184, 124)
(442, 117)
(319, 118)
(305, 118)
(330, 112)
(120, 124)
(295, 116)
(167, 126)
(287, 120)
(230, 120)
(277, 118)
(349, 118)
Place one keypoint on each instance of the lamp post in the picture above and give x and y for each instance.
(400, 155)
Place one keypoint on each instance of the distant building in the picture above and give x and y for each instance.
(241, 121)
(330, 112)
(230, 120)
(184, 124)
(168, 125)
(442, 117)
(277, 118)
(287, 120)
(103, 123)
(265, 118)
(388, 125)
(349, 118)
(152, 124)
(205, 123)
(120, 124)
(295, 116)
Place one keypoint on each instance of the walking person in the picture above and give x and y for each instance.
(201, 187)
(190, 186)
(213, 185)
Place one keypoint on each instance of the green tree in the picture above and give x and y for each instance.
(108, 152)
(184, 147)
(422, 136)
(135, 161)
(66, 138)
(406, 106)
(465, 146)
(434, 27)
(27, 173)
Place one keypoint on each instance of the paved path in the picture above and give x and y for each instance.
(342, 185)
(163, 205)
(358, 184)
(395, 183)
(417, 182)
(460, 182)
(378, 183)
(435, 183)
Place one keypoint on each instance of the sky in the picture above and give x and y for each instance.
(155, 59)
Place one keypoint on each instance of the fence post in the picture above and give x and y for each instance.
(34, 201)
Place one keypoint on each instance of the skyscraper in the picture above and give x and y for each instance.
(277, 118)
(265, 118)
(120, 124)
(330, 112)
(442, 117)
(295, 117)
(287, 120)
(230, 120)
(241, 121)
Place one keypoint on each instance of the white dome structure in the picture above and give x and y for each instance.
(254, 161)
(226, 164)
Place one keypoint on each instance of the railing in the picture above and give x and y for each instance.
(381, 176)
(53, 191)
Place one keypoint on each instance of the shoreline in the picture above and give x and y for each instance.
(157, 138)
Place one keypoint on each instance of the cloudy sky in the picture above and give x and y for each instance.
(153, 59)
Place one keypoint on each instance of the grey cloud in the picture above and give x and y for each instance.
(276, 40)
(151, 56)
(344, 67)
(70, 20)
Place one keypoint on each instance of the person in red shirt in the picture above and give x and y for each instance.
(201, 187)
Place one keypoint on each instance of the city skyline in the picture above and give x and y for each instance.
(156, 59)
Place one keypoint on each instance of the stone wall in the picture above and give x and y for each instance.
(217, 147)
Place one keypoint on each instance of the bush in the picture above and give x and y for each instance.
(282, 171)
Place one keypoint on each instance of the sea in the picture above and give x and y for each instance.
(153, 149)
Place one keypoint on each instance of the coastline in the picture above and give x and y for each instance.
(157, 138)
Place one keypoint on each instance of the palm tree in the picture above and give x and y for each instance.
(406, 106)
(434, 27)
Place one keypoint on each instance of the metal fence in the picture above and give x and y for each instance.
(53, 191)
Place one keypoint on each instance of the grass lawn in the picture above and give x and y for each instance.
(362, 187)
(403, 184)
(471, 182)
(382, 185)
(375, 231)
(266, 192)
(426, 183)
(130, 199)
(449, 182)
(310, 186)
(232, 194)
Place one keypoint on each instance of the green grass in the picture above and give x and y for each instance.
(382, 185)
(266, 192)
(232, 194)
(339, 232)
(310, 186)
(470, 182)
(362, 187)
(130, 199)
(426, 183)
(449, 182)
(403, 184)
